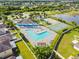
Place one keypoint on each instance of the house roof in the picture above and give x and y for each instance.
(2, 25)
(5, 42)
(77, 45)
(6, 36)
(26, 21)
(4, 47)
(2, 32)
(2, 29)
(11, 57)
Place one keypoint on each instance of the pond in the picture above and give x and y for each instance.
(68, 18)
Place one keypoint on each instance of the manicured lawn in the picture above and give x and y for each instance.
(24, 51)
(66, 47)
(52, 12)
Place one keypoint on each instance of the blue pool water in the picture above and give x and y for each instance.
(68, 18)
(27, 24)
(38, 37)
(33, 35)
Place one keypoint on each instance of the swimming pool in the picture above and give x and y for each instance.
(27, 24)
(34, 36)
(37, 37)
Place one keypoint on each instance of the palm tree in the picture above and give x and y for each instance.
(42, 52)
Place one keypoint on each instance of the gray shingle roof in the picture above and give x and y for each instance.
(11, 57)
(2, 26)
(2, 31)
(5, 42)
(26, 21)
(4, 47)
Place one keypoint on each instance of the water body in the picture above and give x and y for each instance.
(68, 18)
(33, 35)
(37, 37)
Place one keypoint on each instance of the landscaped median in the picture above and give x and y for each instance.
(24, 50)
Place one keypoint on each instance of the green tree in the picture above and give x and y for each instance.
(42, 52)
(74, 23)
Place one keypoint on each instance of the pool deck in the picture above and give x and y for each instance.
(47, 39)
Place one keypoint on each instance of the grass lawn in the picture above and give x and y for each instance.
(24, 51)
(66, 47)
(52, 12)
(13, 31)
